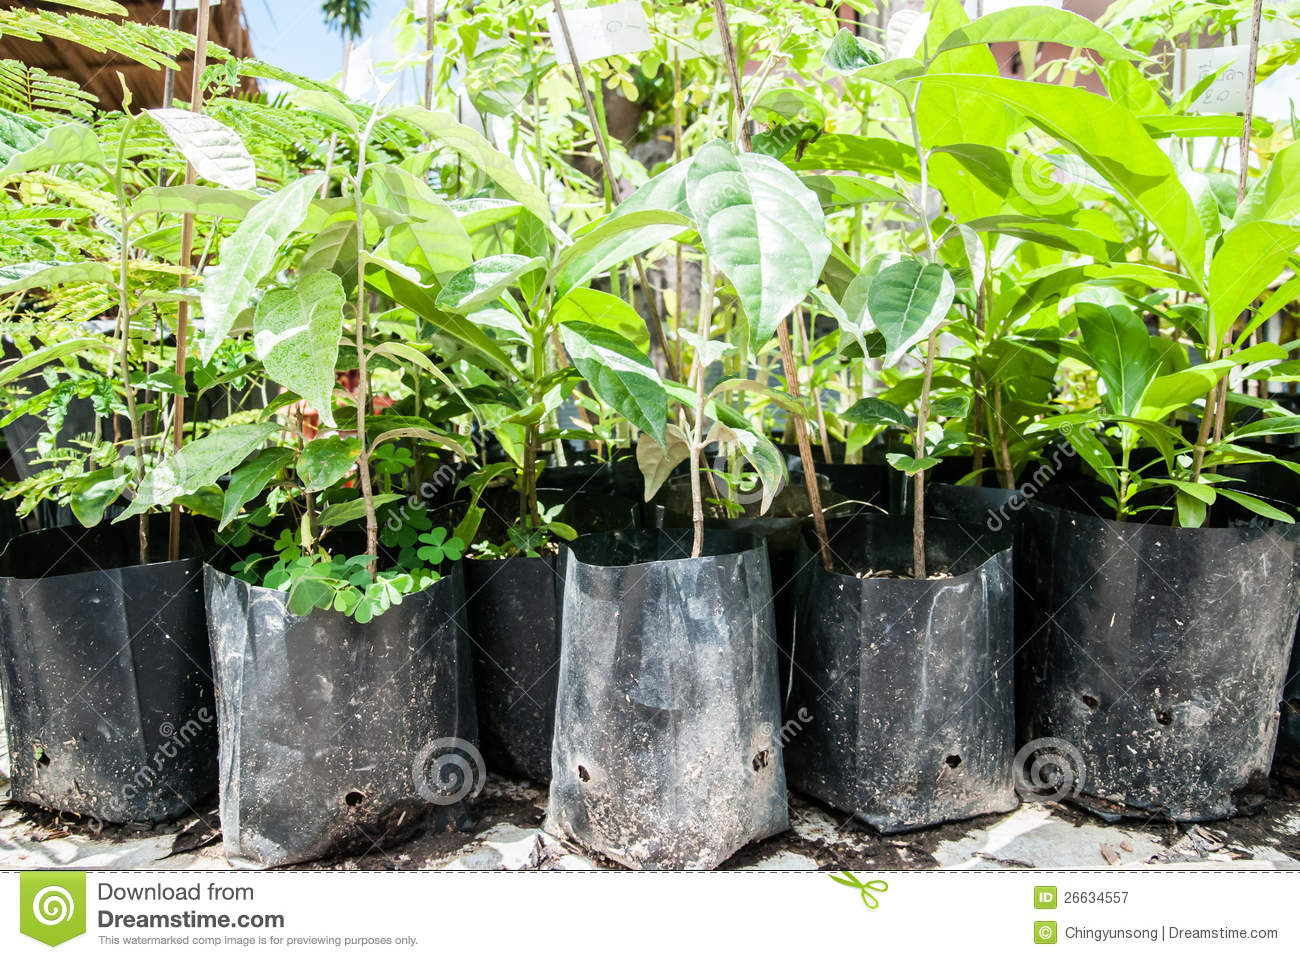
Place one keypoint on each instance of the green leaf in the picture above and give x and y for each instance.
(196, 199)
(1119, 347)
(1112, 141)
(873, 410)
(250, 479)
(198, 464)
(484, 281)
(296, 333)
(340, 513)
(1275, 195)
(604, 310)
(762, 228)
(432, 236)
(95, 491)
(1257, 505)
(478, 151)
(615, 239)
(848, 53)
(1250, 258)
(621, 376)
(48, 353)
(392, 280)
(327, 105)
(66, 143)
(849, 152)
(47, 274)
(214, 150)
(247, 256)
(1173, 391)
(907, 300)
(909, 464)
(326, 460)
(478, 213)
(1042, 24)
(759, 451)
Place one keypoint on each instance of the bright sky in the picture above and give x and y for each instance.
(292, 34)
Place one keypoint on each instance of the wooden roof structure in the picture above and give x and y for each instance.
(97, 71)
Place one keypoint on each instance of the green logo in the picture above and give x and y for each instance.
(1044, 931)
(866, 888)
(1044, 898)
(52, 905)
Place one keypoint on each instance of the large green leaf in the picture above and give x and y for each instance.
(944, 116)
(1038, 23)
(92, 494)
(198, 464)
(849, 152)
(214, 150)
(906, 301)
(397, 284)
(250, 479)
(47, 274)
(621, 376)
(478, 151)
(615, 239)
(1247, 262)
(848, 52)
(483, 281)
(327, 460)
(66, 143)
(1113, 142)
(196, 199)
(431, 237)
(762, 228)
(247, 256)
(603, 310)
(1171, 392)
(1275, 195)
(477, 213)
(1119, 347)
(296, 333)
(48, 353)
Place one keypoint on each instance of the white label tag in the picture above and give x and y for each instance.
(1227, 94)
(609, 31)
(357, 81)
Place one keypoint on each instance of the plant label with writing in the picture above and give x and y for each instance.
(609, 31)
(1227, 94)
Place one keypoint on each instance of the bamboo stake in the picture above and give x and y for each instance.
(187, 253)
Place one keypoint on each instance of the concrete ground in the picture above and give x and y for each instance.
(508, 836)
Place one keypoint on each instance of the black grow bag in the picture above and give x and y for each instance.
(1158, 655)
(900, 708)
(337, 735)
(107, 679)
(513, 612)
(667, 747)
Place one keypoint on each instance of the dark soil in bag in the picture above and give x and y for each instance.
(514, 622)
(899, 709)
(106, 673)
(337, 735)
(667, 749)
(1157, 656)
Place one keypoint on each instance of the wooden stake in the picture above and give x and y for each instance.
(187, 253)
